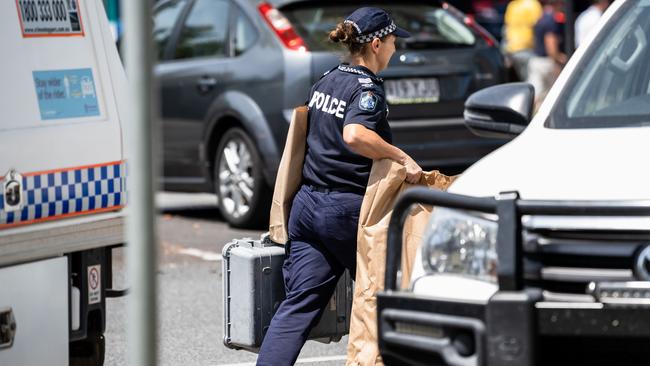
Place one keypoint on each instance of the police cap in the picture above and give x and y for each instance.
(372, 23)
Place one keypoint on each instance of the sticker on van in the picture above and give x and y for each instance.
(56, 194)
(66, 93)
(49, 18)
(94, 284)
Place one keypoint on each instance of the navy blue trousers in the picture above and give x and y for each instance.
(322, 244)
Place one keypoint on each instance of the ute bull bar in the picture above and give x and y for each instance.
(505, 330)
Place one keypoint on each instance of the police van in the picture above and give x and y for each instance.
(62, 180)
(539, 254)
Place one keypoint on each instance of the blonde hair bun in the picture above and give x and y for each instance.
(343, 33)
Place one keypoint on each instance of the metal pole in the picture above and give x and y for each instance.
(570, 19)
(140, 132)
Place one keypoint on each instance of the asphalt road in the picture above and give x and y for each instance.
(191, 236)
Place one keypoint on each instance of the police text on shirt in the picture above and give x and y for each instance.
(328, 104)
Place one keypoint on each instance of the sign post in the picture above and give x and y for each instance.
(141, 169)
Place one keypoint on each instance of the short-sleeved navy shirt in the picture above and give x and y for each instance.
(344, 95)
(547, 24)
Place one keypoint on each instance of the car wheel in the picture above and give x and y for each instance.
(244, 197)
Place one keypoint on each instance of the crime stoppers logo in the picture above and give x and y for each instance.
(50, 18)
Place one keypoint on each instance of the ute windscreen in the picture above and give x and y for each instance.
(611, 85)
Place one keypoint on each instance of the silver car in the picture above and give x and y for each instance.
(231, 71)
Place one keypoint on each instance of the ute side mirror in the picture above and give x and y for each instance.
(501, 111)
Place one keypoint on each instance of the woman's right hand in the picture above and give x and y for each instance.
(413, 170)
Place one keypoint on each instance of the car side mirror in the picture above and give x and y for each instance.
(501, 111)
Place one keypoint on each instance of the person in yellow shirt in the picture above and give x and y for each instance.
(519, 40)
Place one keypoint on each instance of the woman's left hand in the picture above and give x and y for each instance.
(413, 170)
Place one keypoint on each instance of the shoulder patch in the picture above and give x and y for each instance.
(368, 101)
(366, 82)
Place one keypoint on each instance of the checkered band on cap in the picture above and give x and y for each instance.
(378, 34)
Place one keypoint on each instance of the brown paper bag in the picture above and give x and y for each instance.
(289, 177)
(384, 186)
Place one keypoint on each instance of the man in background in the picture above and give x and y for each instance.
(549, 58)
(588, 19)
(520, 18)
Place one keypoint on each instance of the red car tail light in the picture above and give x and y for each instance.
(471, 23)
(487, 37)
(282, 27)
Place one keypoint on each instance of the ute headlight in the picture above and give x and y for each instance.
(461, 244)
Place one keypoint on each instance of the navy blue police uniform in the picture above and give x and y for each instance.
(325, 211)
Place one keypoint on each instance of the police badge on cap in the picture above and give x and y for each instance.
(372, 23)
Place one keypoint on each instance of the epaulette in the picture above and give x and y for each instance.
(352, 70)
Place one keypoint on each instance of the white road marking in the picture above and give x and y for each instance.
(177, 201)
(303, 360)
(202, 254)
(322, 359)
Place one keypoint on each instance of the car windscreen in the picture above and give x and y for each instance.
(611, 85)
(430, 26)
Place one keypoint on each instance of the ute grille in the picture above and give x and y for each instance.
(567, 261)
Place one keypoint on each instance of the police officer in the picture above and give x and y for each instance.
(348, 128)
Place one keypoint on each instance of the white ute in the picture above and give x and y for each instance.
(62, 179)
(540, 252)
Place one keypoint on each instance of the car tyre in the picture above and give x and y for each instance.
(244, 196)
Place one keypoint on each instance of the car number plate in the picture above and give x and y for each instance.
(412, 91)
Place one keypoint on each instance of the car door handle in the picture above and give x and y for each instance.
(206, 84)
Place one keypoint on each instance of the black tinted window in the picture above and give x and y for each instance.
(244, 34)
(611, 86)
(163, 23)
(429, 25)
(205, 30)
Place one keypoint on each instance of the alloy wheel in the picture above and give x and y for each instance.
(236, 182)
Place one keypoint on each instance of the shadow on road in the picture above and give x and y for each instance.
(196, 206)
(203, 213)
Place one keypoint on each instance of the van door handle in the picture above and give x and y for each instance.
(206, 84)
(7, 328)
(13, 188)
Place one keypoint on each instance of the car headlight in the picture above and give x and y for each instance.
(461, 244)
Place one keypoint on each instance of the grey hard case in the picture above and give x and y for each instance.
(253, 287)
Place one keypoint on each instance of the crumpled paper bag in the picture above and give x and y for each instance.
(384, 187)
(289, 177)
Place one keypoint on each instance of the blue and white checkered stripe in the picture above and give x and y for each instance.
(355, 71)
(68, 192)
(365, 38)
